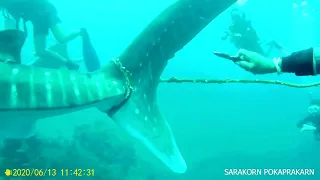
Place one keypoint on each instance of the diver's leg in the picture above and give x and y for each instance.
(63, 37)
(90, 57)
(40, 37)
(41, 51)
(42, 24)
(62, 50)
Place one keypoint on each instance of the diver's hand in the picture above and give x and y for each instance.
(255, 63)
(307, 127)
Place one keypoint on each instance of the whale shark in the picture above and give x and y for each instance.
(124, 89)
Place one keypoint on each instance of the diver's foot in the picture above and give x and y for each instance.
(72, 66)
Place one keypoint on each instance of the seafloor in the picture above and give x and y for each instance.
(62, 144)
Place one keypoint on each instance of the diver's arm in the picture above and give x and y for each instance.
(302, 63)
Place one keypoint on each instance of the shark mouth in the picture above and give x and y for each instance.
(106, 89)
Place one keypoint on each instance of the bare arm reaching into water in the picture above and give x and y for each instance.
(302, 63)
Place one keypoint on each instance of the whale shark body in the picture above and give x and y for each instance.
(125, 89)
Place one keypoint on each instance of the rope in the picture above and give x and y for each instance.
(128, 85)
(245, 81)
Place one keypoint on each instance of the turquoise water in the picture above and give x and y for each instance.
(216, 126)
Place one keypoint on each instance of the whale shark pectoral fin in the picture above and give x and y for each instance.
(141, 118)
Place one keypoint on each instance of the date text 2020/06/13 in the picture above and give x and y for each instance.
(38, 172)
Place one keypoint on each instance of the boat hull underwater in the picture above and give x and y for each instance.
(124, 89)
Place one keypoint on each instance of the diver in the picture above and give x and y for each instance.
(244, 36)
(312, 121)
(43, 15)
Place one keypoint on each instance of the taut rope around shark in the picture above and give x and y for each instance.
(245, 81)
(129, 88)
(127, 75)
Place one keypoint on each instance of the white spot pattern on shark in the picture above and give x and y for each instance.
(162, 39)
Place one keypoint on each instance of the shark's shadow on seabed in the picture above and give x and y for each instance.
(125, 89)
